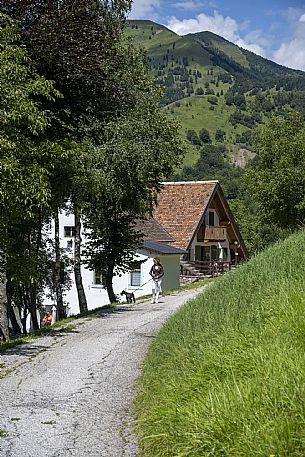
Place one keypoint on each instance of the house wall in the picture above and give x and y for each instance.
(171, 265)
(220, 244)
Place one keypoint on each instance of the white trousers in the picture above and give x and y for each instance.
(156, 288)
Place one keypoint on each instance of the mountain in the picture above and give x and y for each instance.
(218, 91)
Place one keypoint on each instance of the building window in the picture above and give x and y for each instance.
(211, 218)
(203, 253)
(97, 278)
(135, 275)
(215, 253)
(207, 253)
(69, 244)
(69, 231)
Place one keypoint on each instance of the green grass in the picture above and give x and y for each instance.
(230, 49)
(225, 376)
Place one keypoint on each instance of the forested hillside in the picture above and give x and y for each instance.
(212, 84)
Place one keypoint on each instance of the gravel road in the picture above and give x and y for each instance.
(71, 393)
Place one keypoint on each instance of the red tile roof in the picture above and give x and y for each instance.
(180, 207)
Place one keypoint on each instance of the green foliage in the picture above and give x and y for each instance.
(79, 46)
(192, 136)
(124, 184)
(258, 233)
(277, 180)
(225, 375)
(33, 162)
(199, 91)
(204, 136)
(212, 165)
(26, 157)
(220, 135)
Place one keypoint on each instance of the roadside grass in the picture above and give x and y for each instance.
(225, 376)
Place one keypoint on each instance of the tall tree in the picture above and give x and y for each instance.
(139, 150)
(277, 179)
(28, 158)
(78, 45)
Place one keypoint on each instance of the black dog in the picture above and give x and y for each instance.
(129, 296)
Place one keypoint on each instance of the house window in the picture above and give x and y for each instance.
(207, 253)
(135, 274)
(211, 218)
(203, 253)
(69, 231)
(97, 278)
(214, 253)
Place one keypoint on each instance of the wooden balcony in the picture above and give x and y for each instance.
(215, 233)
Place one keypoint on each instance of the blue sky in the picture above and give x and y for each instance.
(274, 29)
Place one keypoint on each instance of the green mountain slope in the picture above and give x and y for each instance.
(210, 83)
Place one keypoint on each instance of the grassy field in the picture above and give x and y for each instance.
(225, 376)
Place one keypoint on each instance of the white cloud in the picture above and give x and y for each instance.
(302, 18)
(292, 53)
(226, 27)
(192, 5)
(218, 24)
(142, 8)
(186, 5)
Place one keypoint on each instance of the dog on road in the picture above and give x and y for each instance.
(129, 296)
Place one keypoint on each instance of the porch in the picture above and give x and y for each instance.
(191, 271)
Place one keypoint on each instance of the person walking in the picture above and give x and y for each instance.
(156, 272)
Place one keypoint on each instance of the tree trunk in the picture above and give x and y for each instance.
(77, 264)
(10, 309)
(23, 307)
(33, 306)
(60, 311)
(109, 277)
(4, 332)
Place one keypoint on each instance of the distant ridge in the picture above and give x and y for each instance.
(212, 83)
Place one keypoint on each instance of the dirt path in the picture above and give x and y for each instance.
(71, 393)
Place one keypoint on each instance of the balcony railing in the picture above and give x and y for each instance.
(215, 233)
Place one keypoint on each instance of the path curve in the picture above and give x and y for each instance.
(70, 394)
